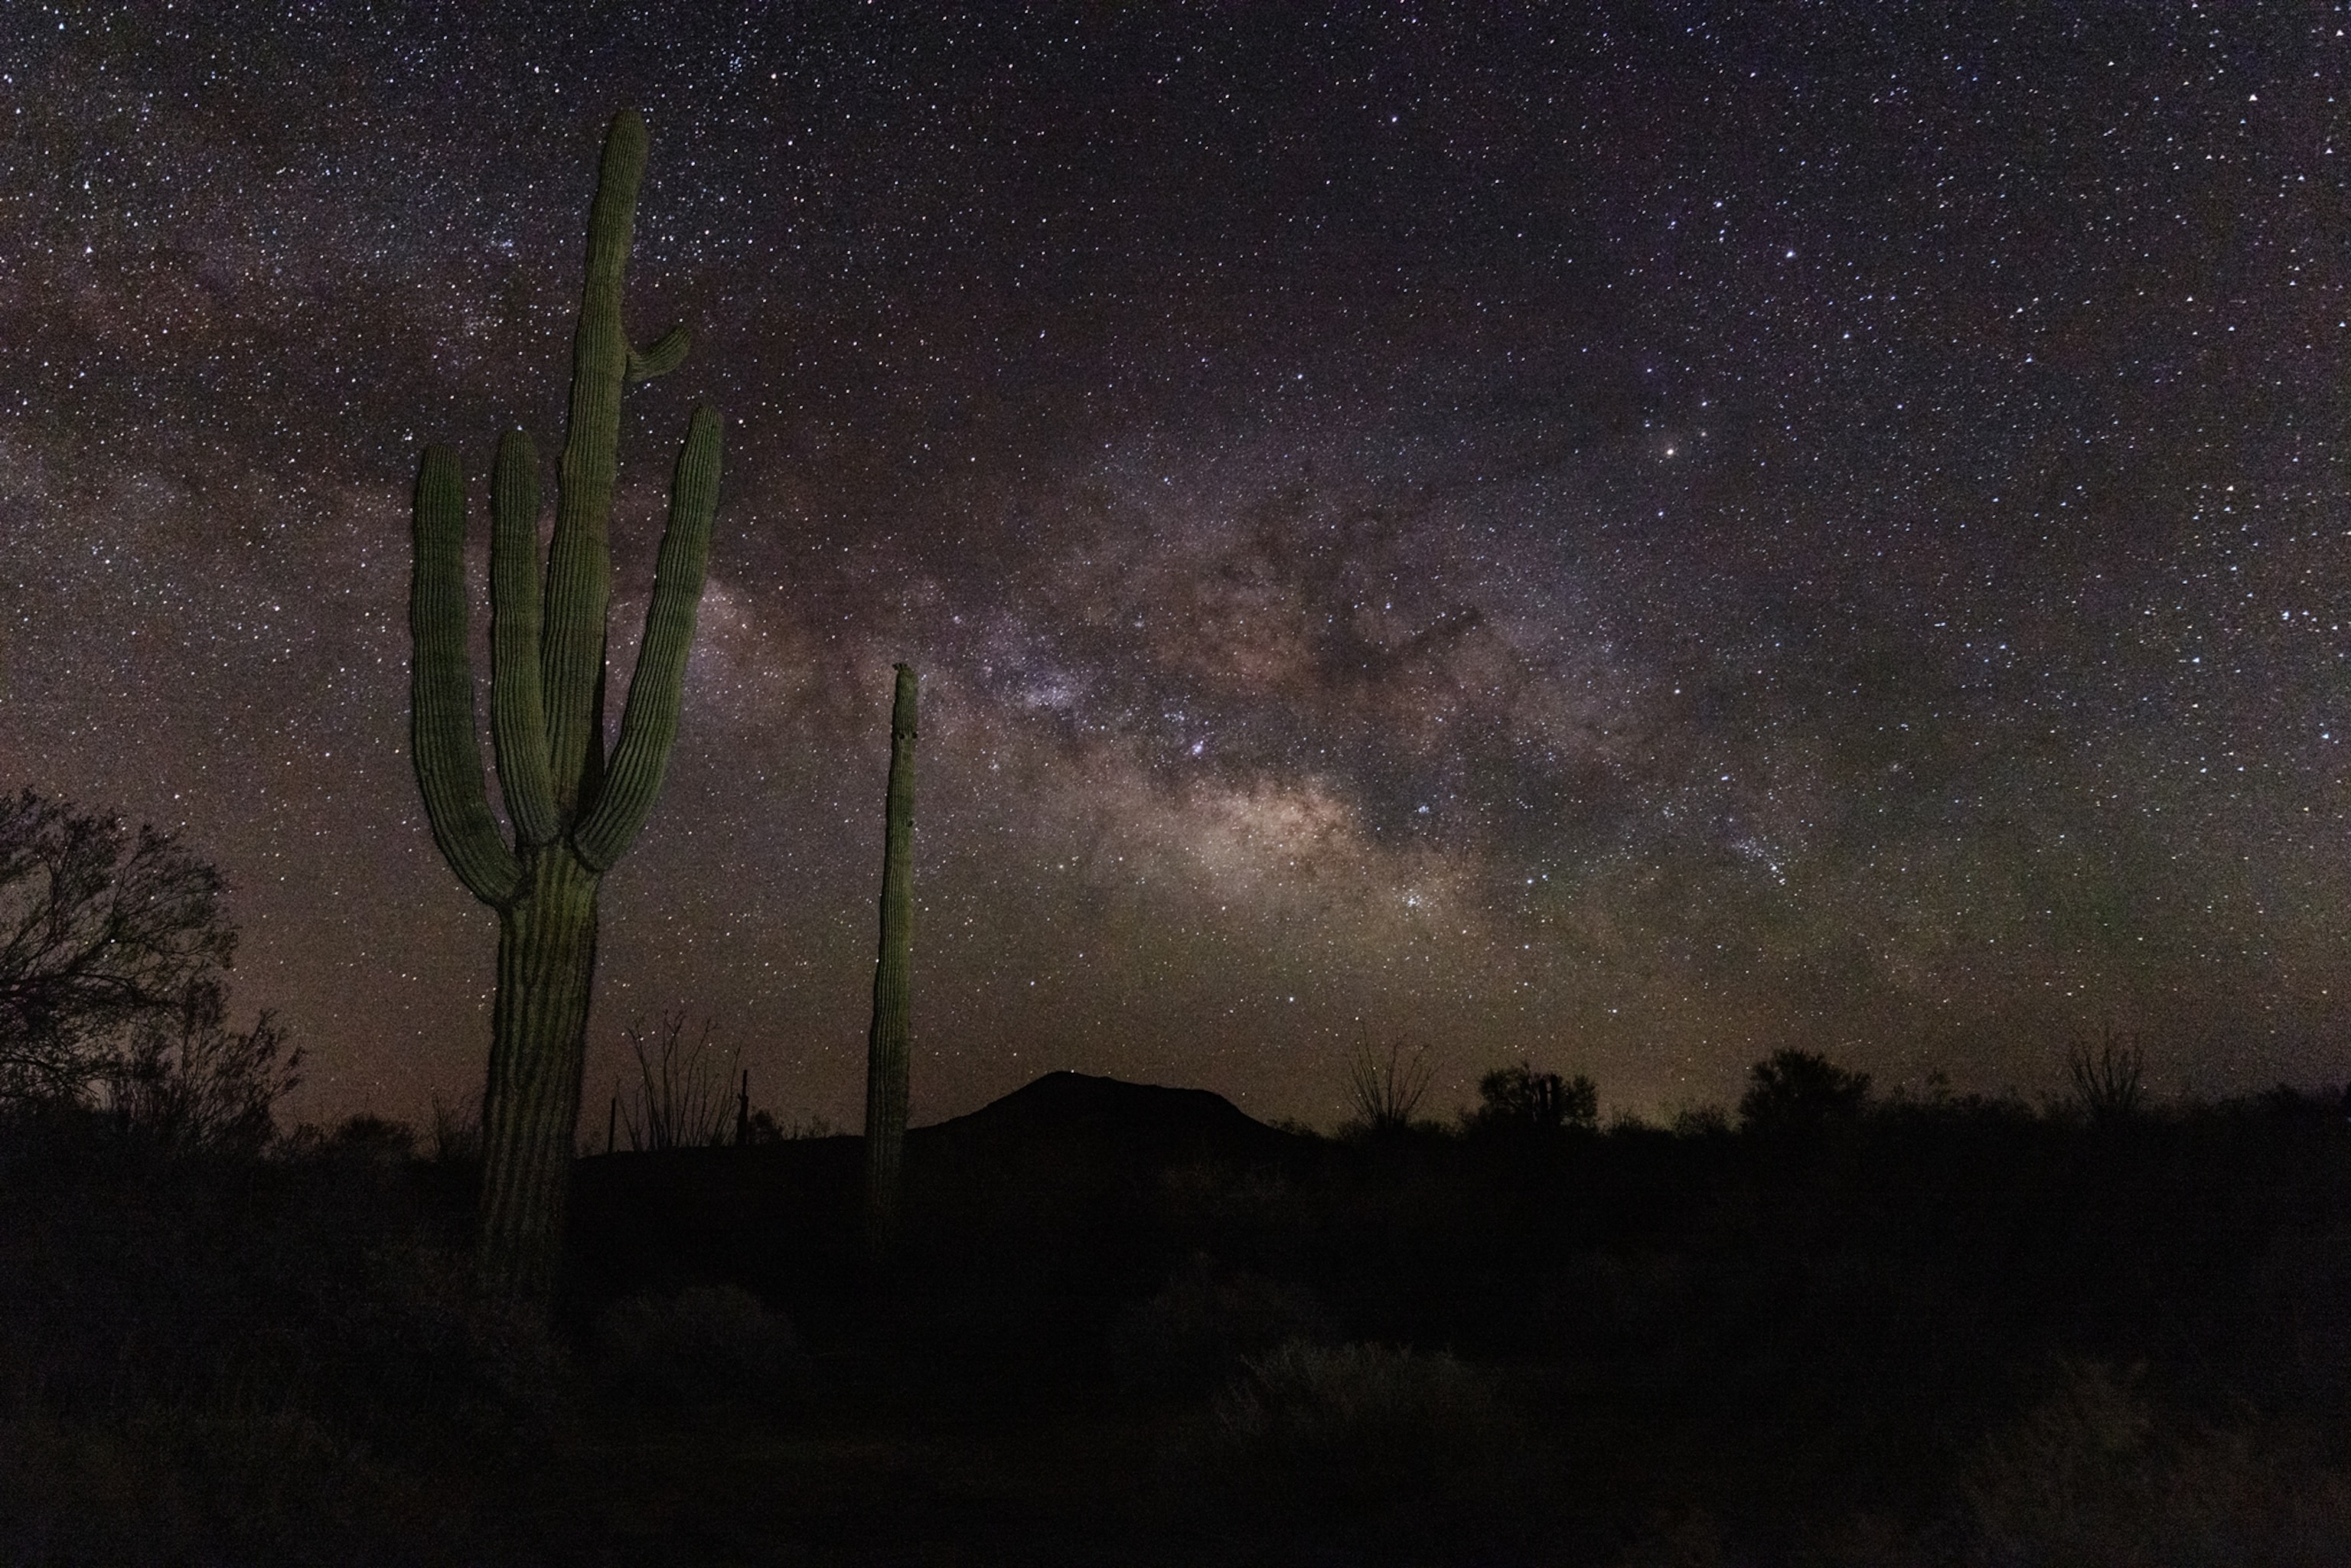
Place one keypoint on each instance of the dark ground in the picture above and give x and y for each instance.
(1130, 1324)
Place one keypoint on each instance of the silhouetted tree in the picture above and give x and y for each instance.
(106, 934)
(1795, 1091)
(1517, 1097)
(192, 1080)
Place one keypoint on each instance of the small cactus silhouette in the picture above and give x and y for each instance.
(886, 1042)
(573, 811)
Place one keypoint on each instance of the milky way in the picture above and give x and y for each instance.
(1631, 543)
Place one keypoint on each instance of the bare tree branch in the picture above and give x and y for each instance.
(111, 988)
(1386, 1094)
(683, 1099)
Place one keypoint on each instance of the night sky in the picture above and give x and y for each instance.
(1633, 537)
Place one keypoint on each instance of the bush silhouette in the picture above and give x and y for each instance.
(2109, 1082)
(1205, 1322)
(1386, 1094)
(112, 983)
(1796, 1092)
(1518, 1099)
(191, 1079)
(1376, 1440)
(2099, 1474)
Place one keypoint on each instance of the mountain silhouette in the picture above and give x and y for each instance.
(1137, 1126)
(1046, 1202)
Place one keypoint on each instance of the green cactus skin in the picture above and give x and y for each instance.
(573, 814)
(886, 1042)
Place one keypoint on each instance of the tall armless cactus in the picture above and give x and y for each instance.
(885, 1045)
(574, 812)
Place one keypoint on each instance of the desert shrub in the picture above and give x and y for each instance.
(2300, 1296)
(456, 1134)
(1304, 1398)
(682, 1097)
(1612, 1300)
(1518, 1099)
(2108, 1081)
(800, 1128)
(1216, 1195)
(1677, 1538)
(368, 1283)
(216, 1482)
(213, 1356)
(1205, 1322)
(1697, 1122)
(136, 1274)
(186, 1076)
(1385, 1092)
(418, 1355)
(2097, 1475)
(1797, 1091)
(760, 1128)
(111, 933)
(707, 1344)
(1367, 1436)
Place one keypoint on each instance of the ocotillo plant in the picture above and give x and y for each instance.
(886, 1042)
(573, 811)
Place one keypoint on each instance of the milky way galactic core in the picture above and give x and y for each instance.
(1630, 542)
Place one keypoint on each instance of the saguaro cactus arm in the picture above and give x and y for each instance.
(649, 723)
(662, 358)
(441, 690)
(517, 717)
(580, 563)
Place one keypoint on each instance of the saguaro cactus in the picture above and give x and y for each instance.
(573, 811)
(886, 1041)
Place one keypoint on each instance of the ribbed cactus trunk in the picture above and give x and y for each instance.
(574, 810)
(538, 1034)
(887, 1041)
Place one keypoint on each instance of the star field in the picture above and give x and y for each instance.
(1635, 540)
